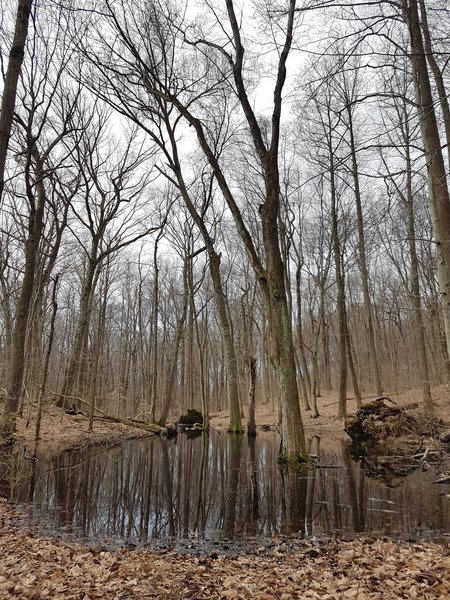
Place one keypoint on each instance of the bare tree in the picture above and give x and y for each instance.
(109, 213)
(45, 121)
(437, 177)
(11, 79)
(147, 66)
(400, 132)
(348, 91)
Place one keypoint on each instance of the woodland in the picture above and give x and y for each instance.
(195, 198)
(225, 206)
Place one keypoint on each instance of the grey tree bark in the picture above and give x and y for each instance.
(437, 74)
(437, 177)
(34, 233)
(16, 56)
(362, 256)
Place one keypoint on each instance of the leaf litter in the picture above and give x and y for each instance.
(35, 567)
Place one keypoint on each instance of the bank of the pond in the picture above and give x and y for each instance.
(60, 431)
(36, 567)
(327, 425)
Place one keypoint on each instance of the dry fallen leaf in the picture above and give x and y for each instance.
(34, 567)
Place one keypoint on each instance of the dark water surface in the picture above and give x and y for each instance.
(217, 487)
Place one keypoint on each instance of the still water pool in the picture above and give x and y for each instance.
(217, 488)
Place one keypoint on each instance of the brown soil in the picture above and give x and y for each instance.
(60, 431)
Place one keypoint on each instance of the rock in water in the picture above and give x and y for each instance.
(191, 418)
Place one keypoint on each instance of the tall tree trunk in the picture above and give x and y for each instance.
(437, 178)
(272, 277)
(437, 75)
(202, 343)
(375, 365)
(293, 442)
(34, 233)
(305, 379)
(48, 353)
(189, 344)
(314, 363)
(251, 425)
(415, 294)
(417, 308)
(235, 424)
(10, 83)
(97, 349)
(169, 379)
(326, 366)
(154, 333)
(33, 352)
(351, 365)
(84, 317)
(340, 303)
(8, 321)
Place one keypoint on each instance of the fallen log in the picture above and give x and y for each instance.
(150, 427)
(390, 442)
(444, 478)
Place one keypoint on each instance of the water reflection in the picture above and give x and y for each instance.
(221, 487)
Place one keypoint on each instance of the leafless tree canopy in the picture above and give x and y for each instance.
(213, 204)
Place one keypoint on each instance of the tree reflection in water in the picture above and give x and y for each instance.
(219, 486)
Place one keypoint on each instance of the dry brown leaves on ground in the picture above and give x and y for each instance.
(60, 431)
(34, 567)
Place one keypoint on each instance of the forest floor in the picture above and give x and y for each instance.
(329, 426)
(35, 566)
(60, 431)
